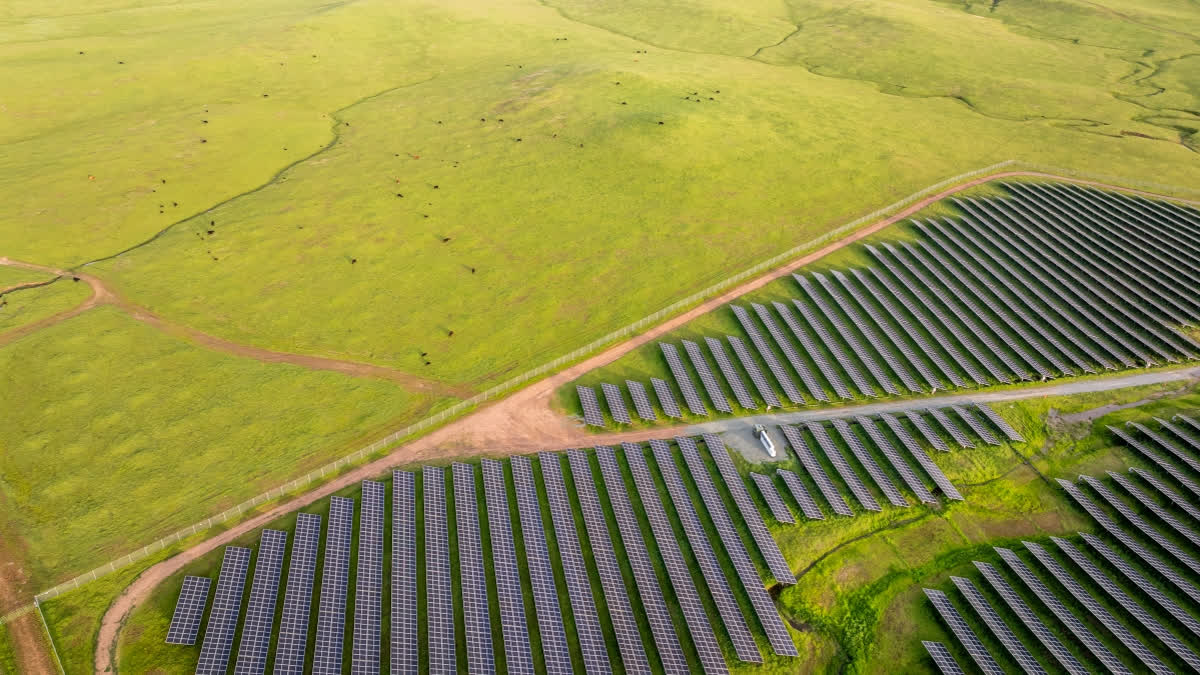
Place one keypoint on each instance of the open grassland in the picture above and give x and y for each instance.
(27, 305)
(123, 434)
(853, 607)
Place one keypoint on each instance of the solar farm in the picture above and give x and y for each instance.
(1048, 281)
(1122, 598)
(656, 557)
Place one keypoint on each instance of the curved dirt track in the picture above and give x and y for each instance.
(524, 422)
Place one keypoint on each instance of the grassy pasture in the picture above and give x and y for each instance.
(31, 304)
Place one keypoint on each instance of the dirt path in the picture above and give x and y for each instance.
(524, 422)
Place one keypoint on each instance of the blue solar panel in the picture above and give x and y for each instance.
(189, 610)
(518, 656)
(335, 576)
(368, 582)
(471, 572)
(297, 599)
(223, 618)
(439, 599)
(404, 574)
(260, 612)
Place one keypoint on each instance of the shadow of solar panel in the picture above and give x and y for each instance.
(923, 459)
(260, 611)
(616, 403)
(223, 617)
(683, 380)
(800, 493)
(518, 656)
(292, 645)
(962, 631)
(404, 659)
(368, 582)
(942, 658)
(864, 457)
(471, 571)
(770, 495)
(655, 607)
(694, 615)
(439, 599)
(189, 610)
(714, 577)
(556, 654)
(751, 367)
(767, 355)
(835, 457)
(620, 611)
(1097, 610)
(641, 402)
(591, 406)
(335, 577)
(570, 553)
(809, 344)
(665, 398)
(764, 607)
(816, 471)
(1030, 619)
(847, 335)
(789, 352)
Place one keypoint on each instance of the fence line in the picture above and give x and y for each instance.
(575, 355)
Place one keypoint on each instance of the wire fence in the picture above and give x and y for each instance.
(571, 357)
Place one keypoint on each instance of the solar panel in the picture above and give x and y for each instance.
(809, 344)
(683, 380)
(1166, 445)
(1111, 527)
(624, 621)
(962, 631)
(942, 658)
(655, 608)
(189, 610)
(868, 462)
(951, 428)
(1128, 604)
(641, 402)
(292, 645)
(574, 569)
(1056, 607)
(616, 403)
(764, 607)
(1155, 508)
(260, 611)
(923, 459)
(223, 617)
(807, 506)
(439, 598)
(472, 574)
(1189, 421)
(1143, 584)
(885, 446)
(768, 356)
(335, 576)
(843, 468)
(1178, 432)
(1002, 424)
(1157, 459)
(926, 430)
(711, 385)
(591, 406)
(1010, 295)
(368, 582)
(404, 574)
(976, 426)
(1140, 525)
(556, 654)
(835, 348)
(678, 572)
(1167, 492)
(1003, 633)
(758, 529)
(751, 367)
(770, 495)
(790, 353)
(879, 319)
(518, 655)
(1097, 610)
(730, 373)
(665, 398)
(1031, 621)
(816, 471)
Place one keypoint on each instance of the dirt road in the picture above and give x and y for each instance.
(524, 422)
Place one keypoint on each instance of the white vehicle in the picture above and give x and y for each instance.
(765, 439)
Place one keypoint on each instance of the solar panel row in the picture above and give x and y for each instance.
(800, 493)
(404, 659)
(942, 658)
(790, 353)
(835, 457)
(711, 386)
(690, 397)
(766, 353)
(885, 447)
(962, 630)
(809, 344)
(1140, 525)
(666, 399)
(975, 425)
(1155, 508)
(518, 655)
(297, 598)
(616, 403)
(439, 598)
(882, 481)
(189, 610)
(926, 431)
(923, 459)
(839, 355)
(1016, 649)
(1164, 444)
(472, 573)
(731, 375)
(1002, 424)
(223, 617)
(751, 367)
(335, 577)
(1169, 468)
(1143, 584)
(365, 653)
(770, 495)
(815, 471)
(260, 611)
(641, 402)
(951, 428)
(1174, 497)
(591, 406)
(1030, 620)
